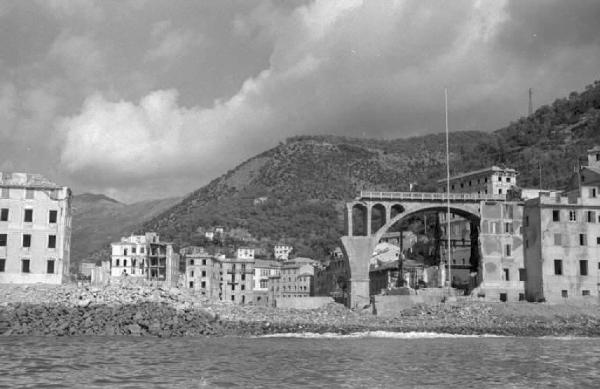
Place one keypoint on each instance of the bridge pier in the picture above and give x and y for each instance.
(358, 250)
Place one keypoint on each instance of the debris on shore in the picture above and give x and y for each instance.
(69, 310)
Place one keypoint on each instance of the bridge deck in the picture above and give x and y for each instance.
(430, 196)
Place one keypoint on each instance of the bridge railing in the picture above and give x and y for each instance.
(429, 196)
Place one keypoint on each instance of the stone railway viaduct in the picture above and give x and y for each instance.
(380, 211)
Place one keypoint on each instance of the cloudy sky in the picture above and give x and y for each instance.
(148, 99)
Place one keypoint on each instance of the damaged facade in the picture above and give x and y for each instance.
(146, 257)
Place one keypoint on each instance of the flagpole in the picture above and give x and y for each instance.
(449, 256)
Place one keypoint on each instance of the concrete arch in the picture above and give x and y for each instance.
(469, 213)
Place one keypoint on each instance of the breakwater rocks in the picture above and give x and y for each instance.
(146, 310)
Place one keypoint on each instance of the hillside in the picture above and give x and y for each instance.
(98, 220)
(296, 191)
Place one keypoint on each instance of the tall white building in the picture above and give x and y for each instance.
(35, 229)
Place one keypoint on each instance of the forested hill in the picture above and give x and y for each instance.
(296, 191)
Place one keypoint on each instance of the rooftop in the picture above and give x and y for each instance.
(492, 169)
(26, 180)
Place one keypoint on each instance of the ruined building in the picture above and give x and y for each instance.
(35, 229)
(146, 257)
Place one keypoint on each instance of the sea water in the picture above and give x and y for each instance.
(366, 360)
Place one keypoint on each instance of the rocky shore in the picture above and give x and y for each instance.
(68, 310)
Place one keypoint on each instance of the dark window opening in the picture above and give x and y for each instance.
(191, 284)
(3, 238)
(25, 266)
(50, 266)
(503, 297)
(506, 275)
(4, 215)
(26, 240)
(585, 292)
(522, 275)
(558, 267)
(564, 293)
(556, 215)
(2, 265)
(52, 241)
(52, 216)
(583, 267)
(28, 218)
(521, 297)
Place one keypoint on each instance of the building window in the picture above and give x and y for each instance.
(558, 267)
(232, 286)
(556, 215)
(585, 292)
(583, 267)
(52, 216)
(28, 217)
(499, 178)
(582, 240)
(591, 216)
(192, 274)
(5, 193)
(506, 275)
(133, 250)
(4, 215)
(116, 262)
(232, 298)
(522, 274)
(564, 293)
(503, 297)
(51, 241)
(557, 239)
(203, 273)
(526, 221)
(507, 179)
(50, 266)
(204, 262)
(28, 193)
(572, 216)
(142, 250)
(508, 250)
(26, 240)
(191, 283)
(243, 287)
(2, 265)
(124, 251)
(592, 192)
(125, 262)
(521, 297)
(3, 240)
(499, 191)
(25, 266)
(203, 284)
(191, 262)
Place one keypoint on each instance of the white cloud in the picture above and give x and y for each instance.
(337, 67)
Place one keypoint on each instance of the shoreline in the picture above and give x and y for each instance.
(134, 310)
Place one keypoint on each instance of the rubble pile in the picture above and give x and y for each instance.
(147, 310)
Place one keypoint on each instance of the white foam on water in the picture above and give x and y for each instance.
(376, 334)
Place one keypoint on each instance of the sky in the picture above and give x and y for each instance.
(143, 99)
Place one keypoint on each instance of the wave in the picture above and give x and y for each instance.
(376, 334)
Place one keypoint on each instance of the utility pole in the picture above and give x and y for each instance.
(540, 171)
(530, 101)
